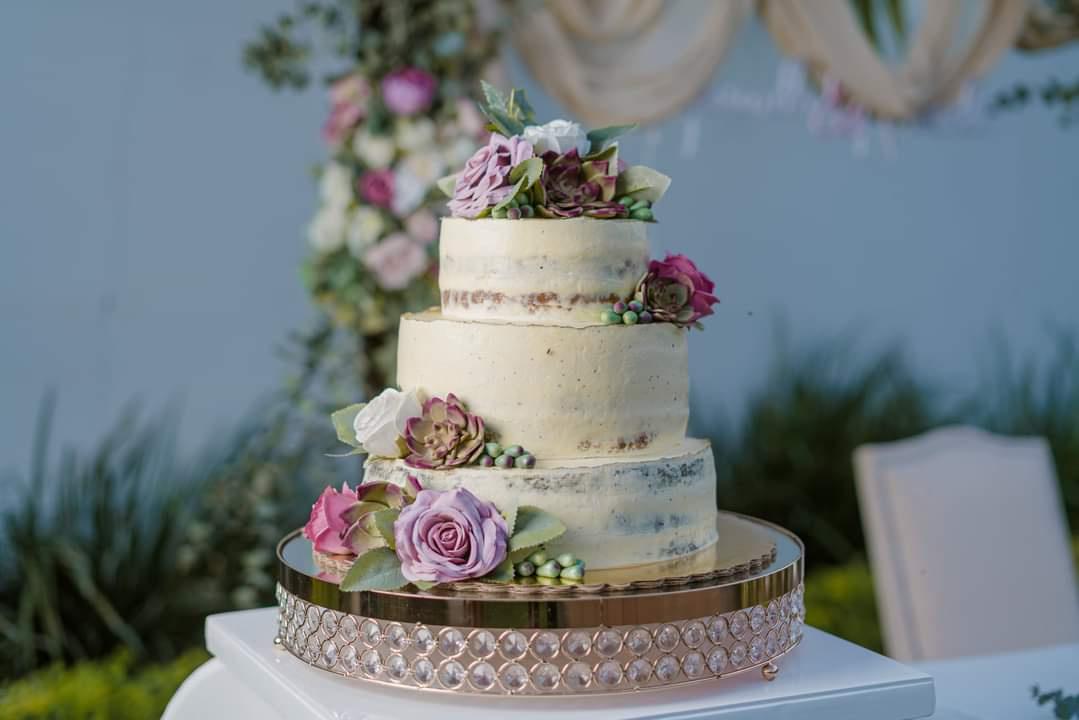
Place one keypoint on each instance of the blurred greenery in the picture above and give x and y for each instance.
(113, 689)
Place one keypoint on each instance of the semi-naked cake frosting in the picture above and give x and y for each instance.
(604, 409)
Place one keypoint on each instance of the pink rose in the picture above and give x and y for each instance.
(348, 97)
(675, 291)
(409, 90)
(422, 225)
(449, 536)
(396, 261)
(376, 187)
(469, 118)
(327, 526)
(485, 180)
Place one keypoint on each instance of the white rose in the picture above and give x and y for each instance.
(335, 185)
(365, 229)
(381, 422)
(414, 134)
(426, 165)
(558, 135)
(326, 232)
(409, 191)
(376, 151)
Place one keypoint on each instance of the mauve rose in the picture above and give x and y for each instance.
(449, 536)
(675, 291)
(376, 187)
(409, 90)
(485, 180)
(326, 527)
(349, 97)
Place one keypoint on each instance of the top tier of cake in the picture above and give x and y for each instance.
(546, 272)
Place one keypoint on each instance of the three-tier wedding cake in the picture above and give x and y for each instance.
(539, 426)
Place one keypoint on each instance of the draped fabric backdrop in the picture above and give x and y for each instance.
(616, 61)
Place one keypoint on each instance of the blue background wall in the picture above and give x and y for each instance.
(153, 197)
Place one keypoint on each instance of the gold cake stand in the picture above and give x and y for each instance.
(731, 608)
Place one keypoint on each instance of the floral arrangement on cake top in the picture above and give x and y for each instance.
(390, 536)
(554, 170)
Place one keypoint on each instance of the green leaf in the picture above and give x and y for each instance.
(513, 193)
(494, 97)
(599, 137)
(642, 183)
(384, 520)
(530, 170)
(504, 123)
(424, 584)
(520, 108)
(447, 184)
(501, 574)
(342, 423)
(377, 569)
(510, 514)
(534, 527)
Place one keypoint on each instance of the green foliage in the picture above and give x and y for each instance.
(1065, 707)
(790, 462)
(377, 569)
(840, 600)
(109, 689)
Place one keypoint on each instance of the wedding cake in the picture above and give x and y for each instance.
(539, 426)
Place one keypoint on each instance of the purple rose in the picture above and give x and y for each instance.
(485, 180)
(327, 526)
(449, 536)
(376, 187)
(409, 90)
(675, 291)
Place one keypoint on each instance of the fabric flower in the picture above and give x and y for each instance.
(376, 187)
(349, 97)
(414, 134)
(449, 536)
(572, 187)
(408, 91)
(363, 533)
(445, 435)
(422, 226)
(335, 185)
(374, 151)
(557, 136)
(485, 180)
(675, 291)
(396, 261)
(364, 229)
(327, 526)
(381, 423)
(326, 231)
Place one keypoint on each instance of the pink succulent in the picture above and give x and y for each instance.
(674, 290)
(376, 187)
(445, 436)
(485, 180)
(409, 91)
(327, 525)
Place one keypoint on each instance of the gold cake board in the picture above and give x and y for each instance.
(730, 608)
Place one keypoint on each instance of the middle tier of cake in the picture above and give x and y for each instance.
(561, 392)
(617, 513)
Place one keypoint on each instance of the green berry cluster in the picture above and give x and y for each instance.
(516, 210)
(626, 313)
(504, 458)
(565, 566)
(637, 209)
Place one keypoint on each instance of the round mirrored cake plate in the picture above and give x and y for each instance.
(727, 609)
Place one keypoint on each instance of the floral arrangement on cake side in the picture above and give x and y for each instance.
(389, 535)
(672, 290)
(554, 170)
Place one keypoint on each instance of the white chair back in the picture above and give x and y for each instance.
(968, 544)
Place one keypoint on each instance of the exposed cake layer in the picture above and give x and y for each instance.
(545, 271)
(616, 512)
(561, 392)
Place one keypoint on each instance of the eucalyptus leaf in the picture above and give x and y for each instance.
(513, 193)
(384, 520)
(377, 569)
(642, 183)
(599, 137)
(534, 527)
(342, 423)
(501, 574)
(447, 184)
(530, 170)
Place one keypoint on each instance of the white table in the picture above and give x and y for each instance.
(825, 678)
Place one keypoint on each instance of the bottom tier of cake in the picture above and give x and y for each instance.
(617, 513)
